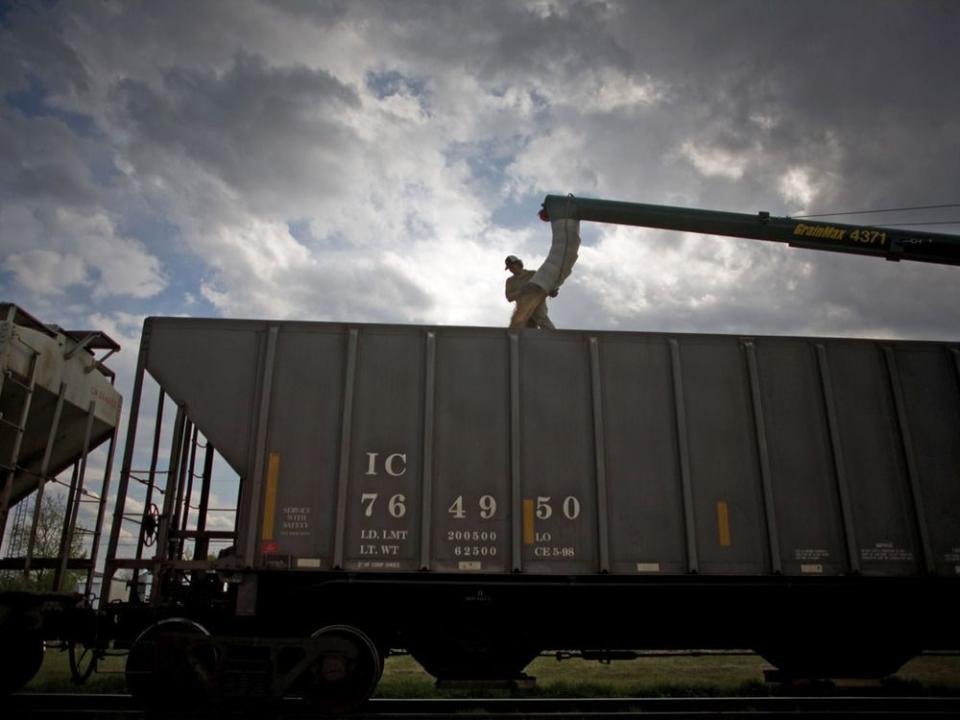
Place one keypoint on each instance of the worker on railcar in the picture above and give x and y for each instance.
(514, 290)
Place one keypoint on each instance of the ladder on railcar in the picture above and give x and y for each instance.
(20, 543)
(19, 428)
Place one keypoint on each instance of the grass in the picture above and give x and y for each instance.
(661, 676)
(651, 676)
(54, 676)
(580, 678)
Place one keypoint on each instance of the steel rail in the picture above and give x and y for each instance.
(124, 706)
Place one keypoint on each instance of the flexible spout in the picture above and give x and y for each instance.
(564, 246)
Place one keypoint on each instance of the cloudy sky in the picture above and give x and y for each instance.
(375, 161)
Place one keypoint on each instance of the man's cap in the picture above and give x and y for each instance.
(510, 260)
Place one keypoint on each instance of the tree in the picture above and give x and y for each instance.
(53, 512)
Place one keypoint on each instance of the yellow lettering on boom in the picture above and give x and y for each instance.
(819, 231)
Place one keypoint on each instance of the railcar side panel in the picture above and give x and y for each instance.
(883, 514)
(303, 440)
(211, 367)
(557, 458)
(807, 510)
(724, 467)
(465, 445)
(385, 461)
(930, 378)
(471, 482)
(641, 456)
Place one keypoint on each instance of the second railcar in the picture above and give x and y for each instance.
(477, 495)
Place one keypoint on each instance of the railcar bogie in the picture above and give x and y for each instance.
(334, 669)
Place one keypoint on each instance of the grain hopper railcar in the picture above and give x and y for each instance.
(57, 406)
(478, 495)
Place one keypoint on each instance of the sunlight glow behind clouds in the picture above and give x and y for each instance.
(796, 186)
(376, 161)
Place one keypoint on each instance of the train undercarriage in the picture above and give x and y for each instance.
(324, 637)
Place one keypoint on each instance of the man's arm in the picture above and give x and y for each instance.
(515, 284)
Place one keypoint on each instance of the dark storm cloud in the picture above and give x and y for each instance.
(257, 127)
(41, 156)
(496, 41)
(849, 88)
(389, 123)
(858, 96)
(40, 159)
(322, 12)
(880, 75)
(33, 44)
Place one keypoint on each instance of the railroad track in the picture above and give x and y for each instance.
(674, 708)
(108, 707)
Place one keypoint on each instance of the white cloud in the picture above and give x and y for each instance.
(797, 186)
(714, 161)
(123, 327)
(553, 160)
(764, 120)
(621, 91)
(74, 247)
(124, 265)
(368, 162)
(603, 89)
(46, 272)
(638, 272)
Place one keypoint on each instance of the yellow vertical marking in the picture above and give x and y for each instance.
(723, 523)
(528, 522)
(270, 501)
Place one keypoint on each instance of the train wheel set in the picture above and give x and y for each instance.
(334, 670)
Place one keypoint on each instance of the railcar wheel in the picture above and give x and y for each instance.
(341, 671)
(20, 658)
(83, 661)
(173, 661)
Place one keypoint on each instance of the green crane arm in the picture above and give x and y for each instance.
(890, 243)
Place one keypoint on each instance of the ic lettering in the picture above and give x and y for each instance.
(395, 464)
(389, 464)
